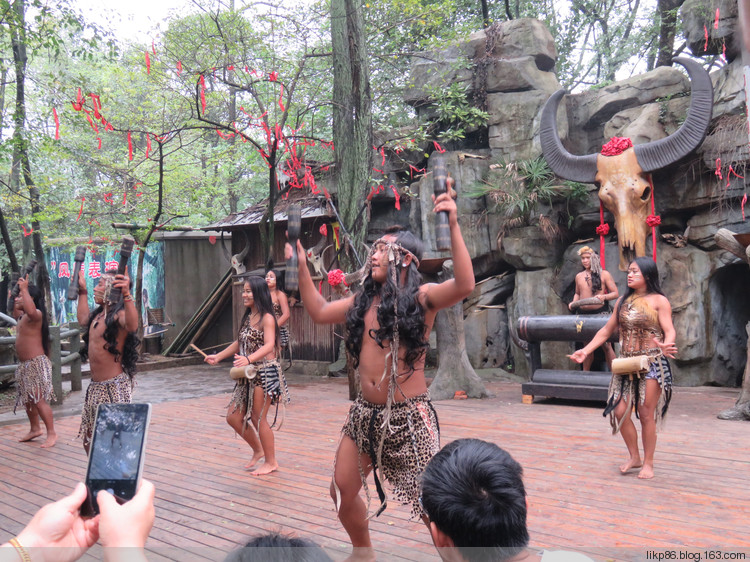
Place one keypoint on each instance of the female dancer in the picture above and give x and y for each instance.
(256, 344)
(280, 307)
(644, 318)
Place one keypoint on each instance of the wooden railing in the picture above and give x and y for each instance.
(58, 357)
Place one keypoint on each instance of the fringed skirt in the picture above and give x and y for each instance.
(633, 390)
(270, 378)
(34, 381)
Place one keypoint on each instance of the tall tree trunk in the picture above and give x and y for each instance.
(352, 117)
(352, 126)
(667, 10)
(20, 146)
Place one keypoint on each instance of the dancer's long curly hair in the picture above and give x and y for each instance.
(409, 315)
(129, 356)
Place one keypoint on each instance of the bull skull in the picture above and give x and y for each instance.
(624, 189)
(237, 260)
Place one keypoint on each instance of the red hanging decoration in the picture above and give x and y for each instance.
(130, 146)
(323, 230)
(57, 124)
(153, 47)
(203, 93)
(398, 198)
(148, 144)
(25, 232)
(742, 205)
(602, 230)
(273, 76)
(281, 97)
(99, 147)
(705, 34)
(439, 148)
(148, 63)
(716, 20)
(80, 211)
(179, 67)
(653, 220)
(717, 173)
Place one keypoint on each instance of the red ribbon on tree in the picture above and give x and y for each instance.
(742, 205)
(130, 146)
(81, 209)
(148, 63)
(398, 198)
(57, 124)
(179, 67)
(203, 93)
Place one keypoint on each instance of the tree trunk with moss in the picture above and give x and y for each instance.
(454, 369)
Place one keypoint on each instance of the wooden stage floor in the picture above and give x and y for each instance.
(207, 505)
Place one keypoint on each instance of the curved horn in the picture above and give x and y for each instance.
(663, 152)
(356, 276)
(224, 250)
(243, 253)
(562, 162)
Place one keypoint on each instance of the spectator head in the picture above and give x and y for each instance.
(275, 547)
(473, 495)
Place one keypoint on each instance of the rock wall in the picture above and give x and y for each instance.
(525, 274)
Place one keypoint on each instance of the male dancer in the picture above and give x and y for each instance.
(595, 282)
(392, 427)
(110, 345)
(34, 372)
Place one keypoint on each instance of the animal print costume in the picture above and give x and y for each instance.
(639, 324)
(34, 381)
(117, 390)
(270, 376)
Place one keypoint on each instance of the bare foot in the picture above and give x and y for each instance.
(33, 434)
(265, 468)
(646, 472)
(632, 463)
(51, 440)
(255, 460)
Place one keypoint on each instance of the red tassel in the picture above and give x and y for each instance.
(281, 97)
(57, 124)
(80, 211)
(203, 93)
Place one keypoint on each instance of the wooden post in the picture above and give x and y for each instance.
(75, 366)
(56, 359)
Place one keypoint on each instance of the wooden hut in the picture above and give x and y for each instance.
(310, 342)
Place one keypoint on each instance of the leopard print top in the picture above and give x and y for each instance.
(250, 338)
(639, 324)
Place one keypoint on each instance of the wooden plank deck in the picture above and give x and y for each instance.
(208, 505)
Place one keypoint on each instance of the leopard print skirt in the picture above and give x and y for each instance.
(410, 441)
(117, 390)
(34, 381)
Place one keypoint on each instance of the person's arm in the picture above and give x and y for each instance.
(577, 294)
(58, 525)
(129, 318)
(451, 291)
(320, 310)
(228, 351)
(29, 308)
(611, 292)
(284, 304)
(601, 337)
(124, 529)
(82, 313)
(667, 346)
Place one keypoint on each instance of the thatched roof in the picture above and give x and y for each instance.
(312, 206)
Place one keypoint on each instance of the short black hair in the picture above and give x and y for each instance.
(274, 546)
(473, 491)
